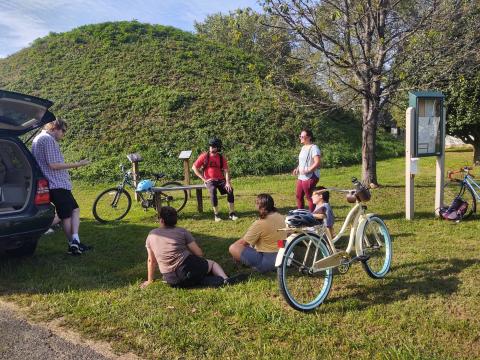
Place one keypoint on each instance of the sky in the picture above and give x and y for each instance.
(22, 21)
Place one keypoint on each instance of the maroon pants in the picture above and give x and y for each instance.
(305, 188)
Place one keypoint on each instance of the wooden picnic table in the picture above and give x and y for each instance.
(198, 190)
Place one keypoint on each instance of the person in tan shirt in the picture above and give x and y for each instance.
(258, 247)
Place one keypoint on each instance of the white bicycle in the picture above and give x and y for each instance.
(307, 258)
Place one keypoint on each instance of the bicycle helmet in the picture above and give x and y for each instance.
(145, 185)
(300, 218)
(215, 142)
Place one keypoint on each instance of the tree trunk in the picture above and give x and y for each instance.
(369, 129)
(476, 152)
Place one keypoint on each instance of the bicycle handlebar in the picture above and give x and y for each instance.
(465, 169)
(337, 190)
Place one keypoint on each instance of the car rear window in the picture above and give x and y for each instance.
(18, 115)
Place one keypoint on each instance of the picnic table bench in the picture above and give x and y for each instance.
(198, 190)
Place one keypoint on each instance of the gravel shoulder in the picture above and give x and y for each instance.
(21, 339)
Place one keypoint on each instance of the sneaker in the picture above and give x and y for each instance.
(74, 248)
(50, 231)
(84, 247)
(235, 279)
(217, 218)
(233, 216)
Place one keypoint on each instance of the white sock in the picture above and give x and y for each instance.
(75, 237)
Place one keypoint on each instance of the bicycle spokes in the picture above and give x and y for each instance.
(303, 288)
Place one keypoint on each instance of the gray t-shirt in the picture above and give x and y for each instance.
(327, 210)
(169, 244)
(305, 160)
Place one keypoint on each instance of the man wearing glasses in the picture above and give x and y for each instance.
(47, 152)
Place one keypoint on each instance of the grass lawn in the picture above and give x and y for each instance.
(428, 307)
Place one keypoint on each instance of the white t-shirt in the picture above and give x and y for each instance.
(305, 160)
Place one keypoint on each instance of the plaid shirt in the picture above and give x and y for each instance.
(46, 151)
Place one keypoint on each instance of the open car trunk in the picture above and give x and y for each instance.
(15, 177)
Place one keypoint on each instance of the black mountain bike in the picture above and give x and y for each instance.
(114, 203)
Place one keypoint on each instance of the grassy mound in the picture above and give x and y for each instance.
(131, 87)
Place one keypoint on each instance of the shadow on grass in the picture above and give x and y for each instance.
(402, 186)
(436, 277)
(117, 260)
(400, 215)
(208, 214)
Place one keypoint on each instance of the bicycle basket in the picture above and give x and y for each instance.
(362, 193)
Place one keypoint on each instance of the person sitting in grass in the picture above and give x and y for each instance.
(176, 253)
(259, 246)
(323, 211)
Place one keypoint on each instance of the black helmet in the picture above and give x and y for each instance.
(300, 218)
(215, 142)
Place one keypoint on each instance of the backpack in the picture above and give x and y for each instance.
(455, 211)
(206, 162)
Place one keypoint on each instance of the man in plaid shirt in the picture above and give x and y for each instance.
(47, 152)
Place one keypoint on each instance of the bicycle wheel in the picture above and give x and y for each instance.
(174, 198)
(452, 189)
(303, 289)
(112, 205)
(376, 243)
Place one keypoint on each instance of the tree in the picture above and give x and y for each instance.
(364, 43)
(269, 38)
(464, 112)
(248, 30)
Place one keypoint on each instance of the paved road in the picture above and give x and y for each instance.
(21, 340)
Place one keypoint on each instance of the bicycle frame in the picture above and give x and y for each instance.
(472, 185)
(128, 180)
(356, 218)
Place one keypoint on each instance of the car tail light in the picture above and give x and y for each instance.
(42, 196)
(281, 243)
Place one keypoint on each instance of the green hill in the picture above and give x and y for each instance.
(130, 87)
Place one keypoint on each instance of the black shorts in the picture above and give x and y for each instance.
(189, 273)
(64, 202)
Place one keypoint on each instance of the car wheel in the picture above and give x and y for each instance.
(27, 249)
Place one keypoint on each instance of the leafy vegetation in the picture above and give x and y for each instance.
(129, 87)
(463, 110)
(426, 308)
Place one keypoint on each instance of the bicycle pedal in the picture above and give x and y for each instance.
(362, 258)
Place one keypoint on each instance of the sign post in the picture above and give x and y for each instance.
(135, 159)
(185, 156)
(425, 136)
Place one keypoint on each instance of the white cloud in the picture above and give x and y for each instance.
(18, 30)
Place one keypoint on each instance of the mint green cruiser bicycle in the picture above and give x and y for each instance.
(307, 258)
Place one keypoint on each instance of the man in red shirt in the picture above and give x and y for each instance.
(215, 176)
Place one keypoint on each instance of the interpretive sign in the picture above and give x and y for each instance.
(428, 123)
(424, 136)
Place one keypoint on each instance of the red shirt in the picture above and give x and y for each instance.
(212, 170)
